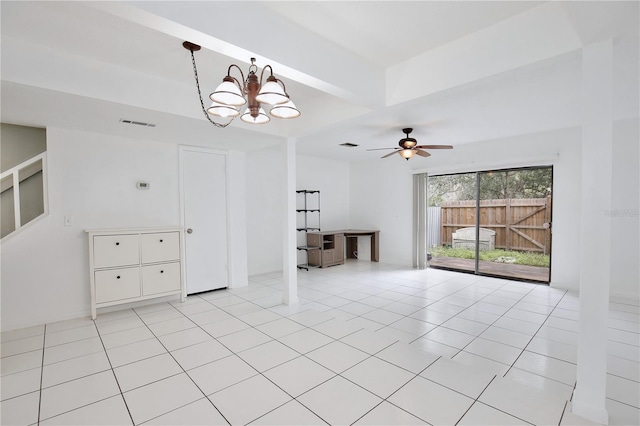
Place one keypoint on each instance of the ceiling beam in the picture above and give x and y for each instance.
(242, 32)
(538, 34)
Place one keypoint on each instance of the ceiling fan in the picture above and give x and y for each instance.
(409, 147)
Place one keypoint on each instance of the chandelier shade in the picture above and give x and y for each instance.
(228, 93)
(285, 110)
(272, 93)
(234, 92)
(222, 110)
(260, 118)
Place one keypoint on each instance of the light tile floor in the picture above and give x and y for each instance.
(368, 344)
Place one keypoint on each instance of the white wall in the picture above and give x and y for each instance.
(332, 178)
(264, 210)
(382, 199)
(265, 201)
(625, 247)
(93, 179)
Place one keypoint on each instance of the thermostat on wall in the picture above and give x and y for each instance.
(143, 185)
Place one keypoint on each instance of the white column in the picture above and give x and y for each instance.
(595, 232)
(289, 255)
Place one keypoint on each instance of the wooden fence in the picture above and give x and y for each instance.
(519, 223)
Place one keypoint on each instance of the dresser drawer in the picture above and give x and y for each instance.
(160, 278)
(160, 247)
(115, 250)
(117, 284)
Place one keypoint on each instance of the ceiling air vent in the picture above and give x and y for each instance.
(137, 123)
(348, 145)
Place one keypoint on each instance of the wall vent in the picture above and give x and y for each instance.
(137, 123)
(348, 145)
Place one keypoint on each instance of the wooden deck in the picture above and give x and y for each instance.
(521, 272)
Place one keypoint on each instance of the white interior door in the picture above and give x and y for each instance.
(204, 213)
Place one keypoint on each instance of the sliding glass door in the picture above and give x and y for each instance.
(451, 221)
(495, 223)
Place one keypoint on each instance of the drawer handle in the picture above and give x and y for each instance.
(161, 271)
(161, 240)
(117, 244)
(118, 277)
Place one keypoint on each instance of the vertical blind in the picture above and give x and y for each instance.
(420, 223)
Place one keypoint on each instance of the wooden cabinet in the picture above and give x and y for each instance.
(331, 249)
(128, 265)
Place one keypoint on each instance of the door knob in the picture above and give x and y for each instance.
(189, 230)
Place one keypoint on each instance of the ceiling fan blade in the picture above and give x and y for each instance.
(435, 146)
(389, 154)
(379, 149)
(422, 153)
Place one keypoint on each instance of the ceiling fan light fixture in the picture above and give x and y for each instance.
(409, 147)
(261, 118)
(408, 142)
(285, 110)
(407, 153)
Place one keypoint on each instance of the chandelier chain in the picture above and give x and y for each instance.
(204, 110)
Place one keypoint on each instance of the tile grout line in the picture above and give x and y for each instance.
(477, 400)
(181, 367)
(564, 409)
(113, 373)
(258, 372)
(533, 336)
(486, 328)
(44, 339)
(305, 356)
(294, 398)
(267, 378)
(397, 390)
(87, 375)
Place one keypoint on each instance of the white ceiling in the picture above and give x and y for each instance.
(456, 71)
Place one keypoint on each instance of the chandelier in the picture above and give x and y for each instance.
(232, 94)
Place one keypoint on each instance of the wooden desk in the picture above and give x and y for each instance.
(328, 248)
(352, 243)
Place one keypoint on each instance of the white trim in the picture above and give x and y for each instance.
(290, 252)
(132, 231)
(45, 185)
(16, 194)
(546, 160)
(24, 164)
(16, 200)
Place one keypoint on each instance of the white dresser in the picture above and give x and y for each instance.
(128, 265)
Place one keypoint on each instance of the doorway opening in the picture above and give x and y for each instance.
(495, 223)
